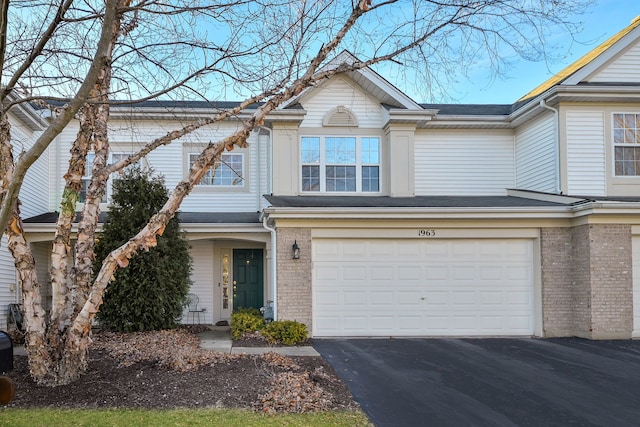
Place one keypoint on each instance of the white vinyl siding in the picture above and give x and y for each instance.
(7, 278)
(464, 162)
(623, 69)
(586, 167)
(338, 92)
(42, 254)
(33, 194)
(443, 287)
(215, 199)
(536, 155)
(171, 162)
(203, 278)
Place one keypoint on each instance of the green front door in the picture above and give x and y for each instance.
(248, 288)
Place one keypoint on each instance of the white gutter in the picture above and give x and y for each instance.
(421, 213)
(556, 132)
(273, 266)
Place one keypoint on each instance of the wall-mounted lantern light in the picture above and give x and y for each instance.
(296, 250)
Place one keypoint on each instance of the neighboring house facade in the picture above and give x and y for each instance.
(412, 219)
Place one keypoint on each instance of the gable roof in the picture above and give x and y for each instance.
(370, 81)
(584, 61)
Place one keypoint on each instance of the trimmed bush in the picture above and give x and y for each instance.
(288, 332)
(151, 293)
(249, 310)
(245, 321)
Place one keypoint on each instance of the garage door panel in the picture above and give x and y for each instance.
(381, 273)
(470, 287)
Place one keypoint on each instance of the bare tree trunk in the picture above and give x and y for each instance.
(58, 355)
(61, 252)
(38, 350)
(85, 244)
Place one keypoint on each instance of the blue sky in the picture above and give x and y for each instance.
(601, 21)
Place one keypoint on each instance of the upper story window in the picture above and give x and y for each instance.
(340, 164)
(86, 179)
(226, 172)
(626, 143)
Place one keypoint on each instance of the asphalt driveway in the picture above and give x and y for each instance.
(490, 382)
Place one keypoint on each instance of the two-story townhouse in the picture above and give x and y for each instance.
(416, 219)
(427, 220)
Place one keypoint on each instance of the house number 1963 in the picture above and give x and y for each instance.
(426, 233)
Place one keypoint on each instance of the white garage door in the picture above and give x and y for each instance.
(449, 287)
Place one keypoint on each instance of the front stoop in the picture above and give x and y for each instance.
(219, 339)
(216, 340)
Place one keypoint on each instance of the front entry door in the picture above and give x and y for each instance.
(248, 291)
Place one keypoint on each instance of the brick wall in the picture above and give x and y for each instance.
(587, 281)
(558, 317)
(579, 268)
(611, 281)
(294, 276)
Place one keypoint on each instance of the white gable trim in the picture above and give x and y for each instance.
(362, 77)
(603, 59)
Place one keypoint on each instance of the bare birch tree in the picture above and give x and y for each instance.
(271, 50)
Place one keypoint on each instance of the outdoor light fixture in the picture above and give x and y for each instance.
(296, 250)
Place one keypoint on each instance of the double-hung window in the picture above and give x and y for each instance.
(626, 144)
(86, 179)
(340, 164)
(226, 172)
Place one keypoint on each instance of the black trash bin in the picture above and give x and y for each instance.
(6, 364)
(6, 353)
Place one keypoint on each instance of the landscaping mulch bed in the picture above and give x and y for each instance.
(168, 369)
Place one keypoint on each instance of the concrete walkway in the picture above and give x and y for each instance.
(220, 340)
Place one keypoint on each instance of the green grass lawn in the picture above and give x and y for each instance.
(178, 418)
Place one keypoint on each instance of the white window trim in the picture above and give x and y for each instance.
(359, 164)
(613, 146)
(241, 176)
(109, 192)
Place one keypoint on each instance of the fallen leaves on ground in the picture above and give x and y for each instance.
(290, 387)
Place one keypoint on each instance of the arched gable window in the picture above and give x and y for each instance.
(340, 116)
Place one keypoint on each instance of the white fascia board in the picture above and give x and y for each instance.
(547, 197)
(223, 227)
(464, 121)
(560, 212)
(603, 58)
(173, 114)
(396, 115)
(49, 228)
(292, 115)
(607, 208)
(390, 89)
(28, 115)
(556, 94)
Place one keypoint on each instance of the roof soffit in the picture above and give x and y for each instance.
(24, 112)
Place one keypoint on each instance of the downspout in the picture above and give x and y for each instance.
(556, 132)
(274, 258)
(273, 266)
(258, 172)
